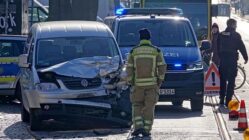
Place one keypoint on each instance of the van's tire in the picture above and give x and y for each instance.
(35, 121)
(196, 104)
(177, 102)
(24, 114)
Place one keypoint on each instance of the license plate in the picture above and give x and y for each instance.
(167, 91)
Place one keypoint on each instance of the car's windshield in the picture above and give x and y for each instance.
(11, 48)
(164, 33)
(57, 50)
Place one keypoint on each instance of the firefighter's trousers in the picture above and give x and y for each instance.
(144, 99)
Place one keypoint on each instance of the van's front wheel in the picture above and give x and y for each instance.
(196, 104)
(35, 121)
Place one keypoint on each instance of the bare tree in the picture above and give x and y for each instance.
(73, 10)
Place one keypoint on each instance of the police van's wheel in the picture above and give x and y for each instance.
(24, 114)
(177, 102)
(196, 104)
(35, 121)
(18, 92)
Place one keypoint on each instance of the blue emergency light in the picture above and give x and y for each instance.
(178, 65)
(149, 11)
(120, 12)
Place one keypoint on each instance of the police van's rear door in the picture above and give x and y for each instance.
(9, 52)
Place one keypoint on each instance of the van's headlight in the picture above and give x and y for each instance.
(195, 66)
(46, 87)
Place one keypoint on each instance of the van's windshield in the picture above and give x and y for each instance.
(57, 50)
(164, 33)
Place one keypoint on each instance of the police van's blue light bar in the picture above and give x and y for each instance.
(120, 11)
(149, 11)
(178, 65)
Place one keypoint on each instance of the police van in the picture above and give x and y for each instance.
(11, 46)
(175, 36)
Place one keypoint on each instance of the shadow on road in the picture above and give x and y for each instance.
(17, 130)
(77, 133)
(9, 105)
(70, 129)
(175, 112)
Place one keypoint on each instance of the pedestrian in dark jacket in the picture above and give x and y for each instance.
(214, 49)
(230, 43)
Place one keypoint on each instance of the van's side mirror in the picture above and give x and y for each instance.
(205, 45)
(23, 61)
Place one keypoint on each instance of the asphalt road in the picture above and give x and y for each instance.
(171, 123)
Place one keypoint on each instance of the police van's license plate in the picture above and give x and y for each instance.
(167, 91)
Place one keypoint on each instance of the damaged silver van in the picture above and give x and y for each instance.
(72, 71)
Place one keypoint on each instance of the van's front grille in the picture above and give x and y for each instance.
(175, 67)
(81, 83)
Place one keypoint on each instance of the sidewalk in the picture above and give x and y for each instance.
(237, 15)
(232, 125)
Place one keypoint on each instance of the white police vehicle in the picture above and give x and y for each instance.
(175, 36)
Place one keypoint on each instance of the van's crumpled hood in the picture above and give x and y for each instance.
(89, 67)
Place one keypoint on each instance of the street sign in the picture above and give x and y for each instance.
(212, 81)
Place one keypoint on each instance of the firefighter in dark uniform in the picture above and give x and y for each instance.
(146, 70)
(230, 43)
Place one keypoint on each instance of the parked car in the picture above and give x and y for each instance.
(11, 46)
(72, 71)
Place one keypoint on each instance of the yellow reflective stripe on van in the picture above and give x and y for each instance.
(8, 60)
(7, 78)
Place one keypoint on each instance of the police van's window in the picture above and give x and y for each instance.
(9, 48)
(198, 16)
(57, 50)
(164, 33)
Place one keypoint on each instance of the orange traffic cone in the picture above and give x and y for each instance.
(242, 124)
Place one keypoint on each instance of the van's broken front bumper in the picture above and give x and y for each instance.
(92, 112)
(87, 113)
